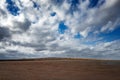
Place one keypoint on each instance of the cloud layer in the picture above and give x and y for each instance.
(59, 28)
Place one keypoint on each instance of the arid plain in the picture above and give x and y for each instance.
(59, 69)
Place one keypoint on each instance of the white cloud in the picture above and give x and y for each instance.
(96, 17)
(34, 32)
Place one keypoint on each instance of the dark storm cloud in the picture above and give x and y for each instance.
(4, 33)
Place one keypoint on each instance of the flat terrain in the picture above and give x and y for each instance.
(60, 69)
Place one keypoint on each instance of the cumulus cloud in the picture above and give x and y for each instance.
(34, 32)
(86, 20)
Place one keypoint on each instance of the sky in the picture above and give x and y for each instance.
(60, 28)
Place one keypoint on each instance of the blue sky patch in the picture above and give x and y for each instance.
(77, 36)
(93, 3)
(111, 36)
(12, 8)
(53, 13)
(90, 42)
(62, 27)
(35, 5)
(73, 6)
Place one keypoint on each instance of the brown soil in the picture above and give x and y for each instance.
(60, 69)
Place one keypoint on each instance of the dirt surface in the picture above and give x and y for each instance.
(60, 69)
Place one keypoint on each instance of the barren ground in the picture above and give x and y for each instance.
(60, 69)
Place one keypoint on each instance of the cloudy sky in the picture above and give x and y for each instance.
(60, 28)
